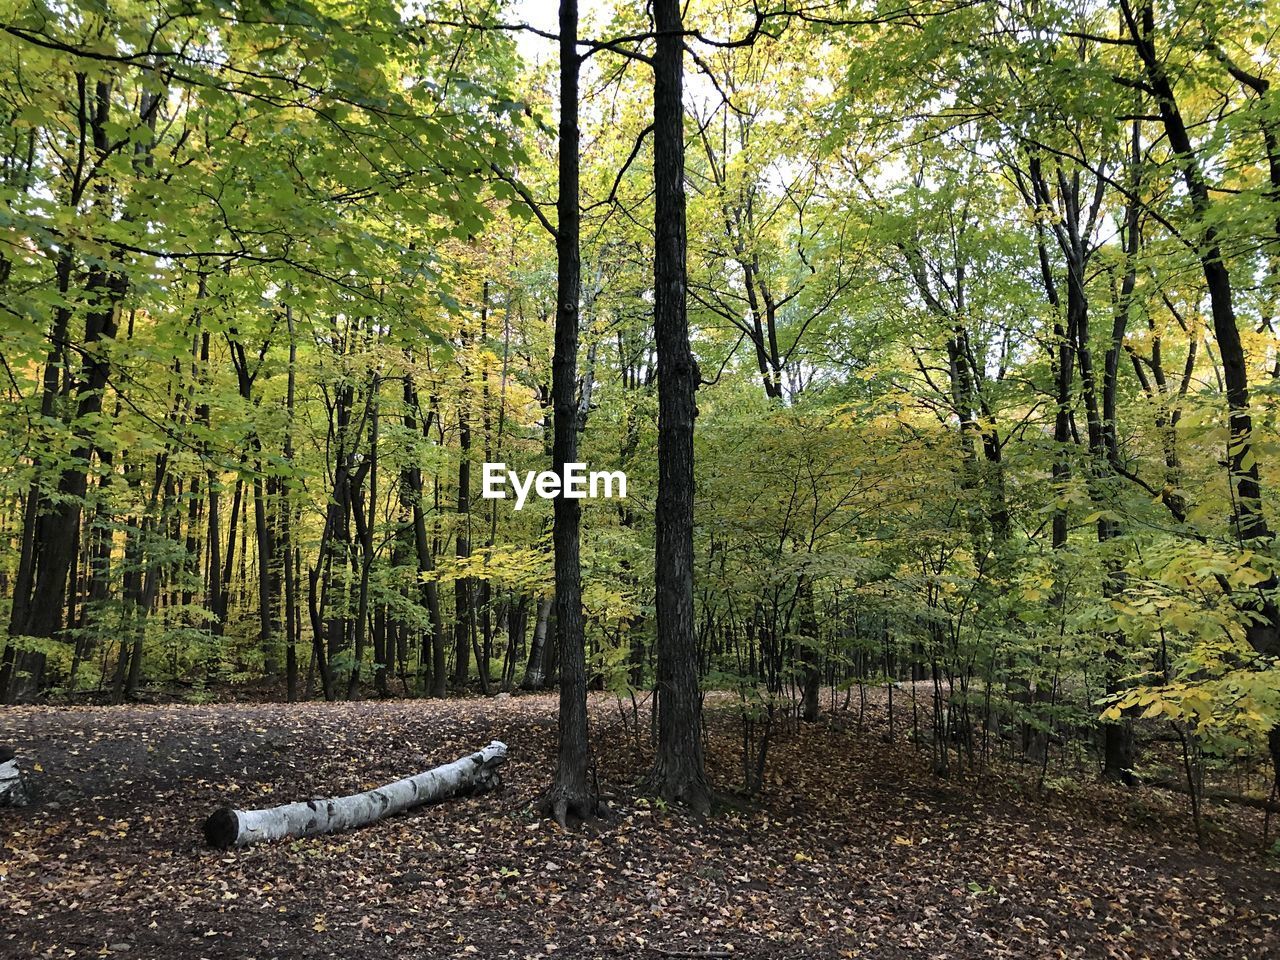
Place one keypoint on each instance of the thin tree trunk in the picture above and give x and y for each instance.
(463, 609)
(535, 665)
(364, 520)
(285, 502)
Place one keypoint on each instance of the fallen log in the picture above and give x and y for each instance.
(228, 827)
(13, 792)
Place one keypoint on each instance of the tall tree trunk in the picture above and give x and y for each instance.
(679, 773)
(1263, 627)
(571, 793)
(1118, 748)
(364, 520)
(58, 529)
(463, 609)
(213, 528)
(285, 507)
(223, 599)
(266, 550)
(434, 655)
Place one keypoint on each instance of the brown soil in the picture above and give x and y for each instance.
(854, 849)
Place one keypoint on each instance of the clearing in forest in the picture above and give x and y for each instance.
(852, 850)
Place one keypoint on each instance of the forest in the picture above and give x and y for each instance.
(927, 353)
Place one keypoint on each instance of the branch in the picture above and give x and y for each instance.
(617, 181)
(526, 196)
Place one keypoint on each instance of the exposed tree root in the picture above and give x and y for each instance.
(680, 787)
(569, 807)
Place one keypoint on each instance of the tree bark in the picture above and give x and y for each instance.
(285, 503)
(227, 827)
(434, 651)
(1118, 749)
(463, 608)
(364, 520)
(1262, 629)
(535, 665)
(679, 772)
(570, 793)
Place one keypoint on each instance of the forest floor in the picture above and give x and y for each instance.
(853, 850)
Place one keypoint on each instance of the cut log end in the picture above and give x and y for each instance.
(222, 828)
(13, 791)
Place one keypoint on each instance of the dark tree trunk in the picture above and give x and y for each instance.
(810, 656)
(1263, 628)
(571, 793)
(1068, 320)
(364, 520)
(223, 598)
(246, 376)
(265, 537)
(463, 610)
(50, 542)
(285, 502)
(678, 773)
(434, 650)
(58, 529)
(52, 388)
(1118, 748)
(213, 527)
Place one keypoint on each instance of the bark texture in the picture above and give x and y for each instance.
(471, 774)
(679, 773)
(570, 793)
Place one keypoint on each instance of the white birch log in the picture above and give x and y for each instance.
(471, 774)
(13, 792)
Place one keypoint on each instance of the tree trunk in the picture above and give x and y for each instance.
(285, 506)
(434, 651)
(471, 774)
(810, 655)
(678, 773)
(535, 665)
(463, 610)
(1262, 629)
(570, 793)
(364, 520)
(1118, 750)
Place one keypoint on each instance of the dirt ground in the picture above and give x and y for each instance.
(854, 849)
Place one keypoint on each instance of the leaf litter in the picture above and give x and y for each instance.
(852, 849)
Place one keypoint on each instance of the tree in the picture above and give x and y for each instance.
(571, 793)
(678, 772)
